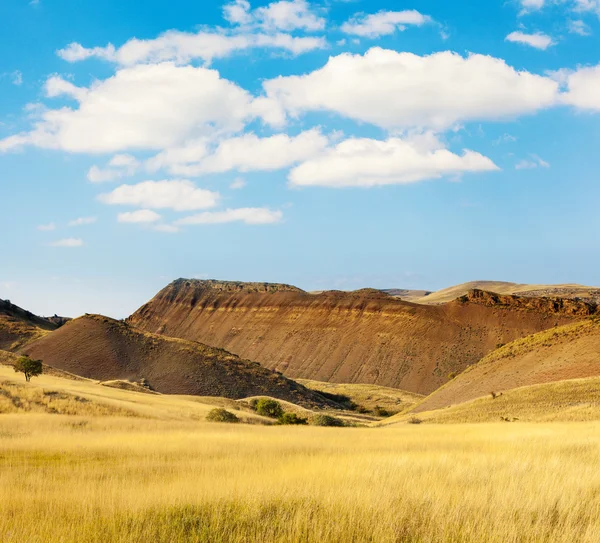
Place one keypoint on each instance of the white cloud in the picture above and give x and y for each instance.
(583, 88)
(402, 91)
(179, 195)
(247, 215)
(531, 163)
(118, 167)
(237, 12)
(17, 78)
(244, 153)
(144, 107)
(140, 216)
(67, 242)
(383, 23)
(579, 27)
(537, 40)
(166, 228)
(47, 227)
(531, 5)
(83, 221)
(237, 184)
(362, 162)
(183, 47)
(289, 15)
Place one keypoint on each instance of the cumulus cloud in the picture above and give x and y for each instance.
(141, 216)
(47, 227)
(243, 153)
(247, 215)
(67, 242)
(362, 162)
(183, 47)
(383, 23)
(284, 15)
(399, 91)
(119, 166)
(179, 195)
(579, 27)
(583, 88)
(537, 40)
(81, 221)
(143, 107)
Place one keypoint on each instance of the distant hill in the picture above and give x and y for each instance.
(18, 326)
(589, 294)
(566, 352)
(101, 348)
(364, 337)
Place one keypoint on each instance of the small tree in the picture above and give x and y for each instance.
(269, 408)
(28, 366)
(221, 415)
(292, 418)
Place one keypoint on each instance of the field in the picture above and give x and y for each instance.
(67, 479)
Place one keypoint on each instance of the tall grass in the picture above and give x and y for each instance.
(72, 479)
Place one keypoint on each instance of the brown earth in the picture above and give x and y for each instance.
(18, 326)
(588, 294)
(566, 352)
(100, 348)
(359, 337)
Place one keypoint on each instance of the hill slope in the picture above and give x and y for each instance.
(590, 294)
(100, 348)
(18, 326)
(567, 352)
(358, 337)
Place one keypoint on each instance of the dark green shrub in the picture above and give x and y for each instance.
(381, 412)
(292, 418)
(269, 408)
(221, 415)
(327, 420)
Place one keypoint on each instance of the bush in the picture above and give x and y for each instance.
(414, 420)
(221, 415)
(292, 418)
(28, 366)
(452, 376)
(381, 412)
(327, 420)
(268, 408)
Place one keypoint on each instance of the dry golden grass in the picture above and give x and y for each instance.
(73, 479)
(576, 400)
(368, 396)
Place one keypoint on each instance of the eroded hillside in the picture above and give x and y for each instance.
(18, 326)
(100, 348)
(360, 337)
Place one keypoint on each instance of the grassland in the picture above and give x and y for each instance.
(78, 479)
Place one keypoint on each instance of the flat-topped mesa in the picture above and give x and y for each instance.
(364, 336)
(563, 306)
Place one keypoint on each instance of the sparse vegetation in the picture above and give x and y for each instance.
(327, 420)
(29, 367)
(292, 419)
(268, 407)
(221, 415)
(414, 420)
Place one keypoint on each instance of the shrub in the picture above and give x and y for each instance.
(414, 420)
(292, 418)
(327, 420)
(221, 415)
(452, 376)
(28, 366)
(269, 408)
(381, 412)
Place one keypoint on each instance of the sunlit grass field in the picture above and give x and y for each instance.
(101, 479)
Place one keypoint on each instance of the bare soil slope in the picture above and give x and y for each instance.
(18, 326)
(567, 352)
(100, 348)
(359, 337)
(589, 294)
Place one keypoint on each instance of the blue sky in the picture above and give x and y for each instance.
(338, 144)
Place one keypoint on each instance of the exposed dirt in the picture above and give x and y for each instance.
(568, 352)
(359, 337)
(100, 348)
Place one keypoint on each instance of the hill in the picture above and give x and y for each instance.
(364, 337)
(589, 294)
(100, 348)
(18, 326)
(567, 352)
(572, 400)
